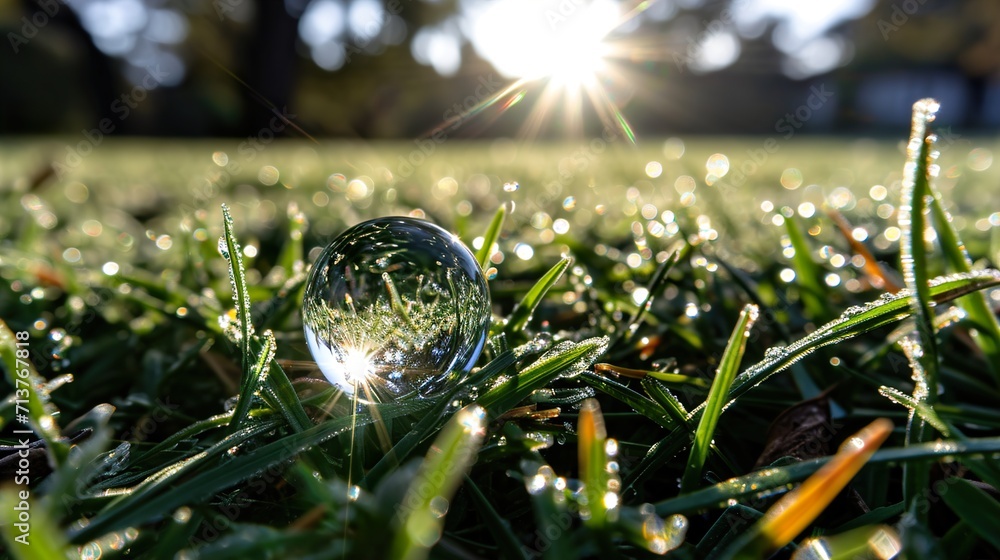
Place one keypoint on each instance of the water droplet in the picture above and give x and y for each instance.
(116, 460)
(511, 187)
(223, 250)
(395, 306)
(62, 343)
(774, 352)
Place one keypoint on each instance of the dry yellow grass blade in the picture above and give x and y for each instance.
(591, 432)
(794, 512)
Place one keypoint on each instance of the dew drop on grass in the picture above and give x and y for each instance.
(774, 353)
(223, 250)
(395, 306)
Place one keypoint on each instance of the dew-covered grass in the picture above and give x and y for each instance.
(683, 331)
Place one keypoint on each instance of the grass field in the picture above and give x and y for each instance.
(710, 344)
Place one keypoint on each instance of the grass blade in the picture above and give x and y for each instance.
(565, 358)
(292, 253)
(157, 499)
(877, 275)
(766, 480)
(669, 379)
(886, 310)
(976, 508)
(797, 509)
(807, 274)
(718, 395)
(257, 374)
(523, 310)
(922, 409)
(913, 260)
(279, 392)
(490, 238)
(230, 250)
(423, 509)
(430, 420)
(648, 408)
(670, 403)
(975, 305)
(889, 308)
(592, 439)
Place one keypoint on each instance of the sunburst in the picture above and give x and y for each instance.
(558, 54)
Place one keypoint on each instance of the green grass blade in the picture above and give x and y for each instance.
(210, 423)
(975, 305)
(278, 390)
(566, 358)
(648, 408)
(976, 508)
(36, 537)
(159, 498)
(922, 409)
(280, 393)
(490, 238)
(230, 250)
(913, 260)
(25, 381)
(422, 512)
(807, 274)
(718, 396)
(292, 254)
(258, 373)
(523, 310)
(886, 310)
(431, 420)
(667, 400)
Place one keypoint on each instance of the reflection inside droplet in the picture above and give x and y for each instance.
(395, 306)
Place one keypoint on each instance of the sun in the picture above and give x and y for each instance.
(561, 47)
(534, 40)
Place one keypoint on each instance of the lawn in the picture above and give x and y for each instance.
(683, 330)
